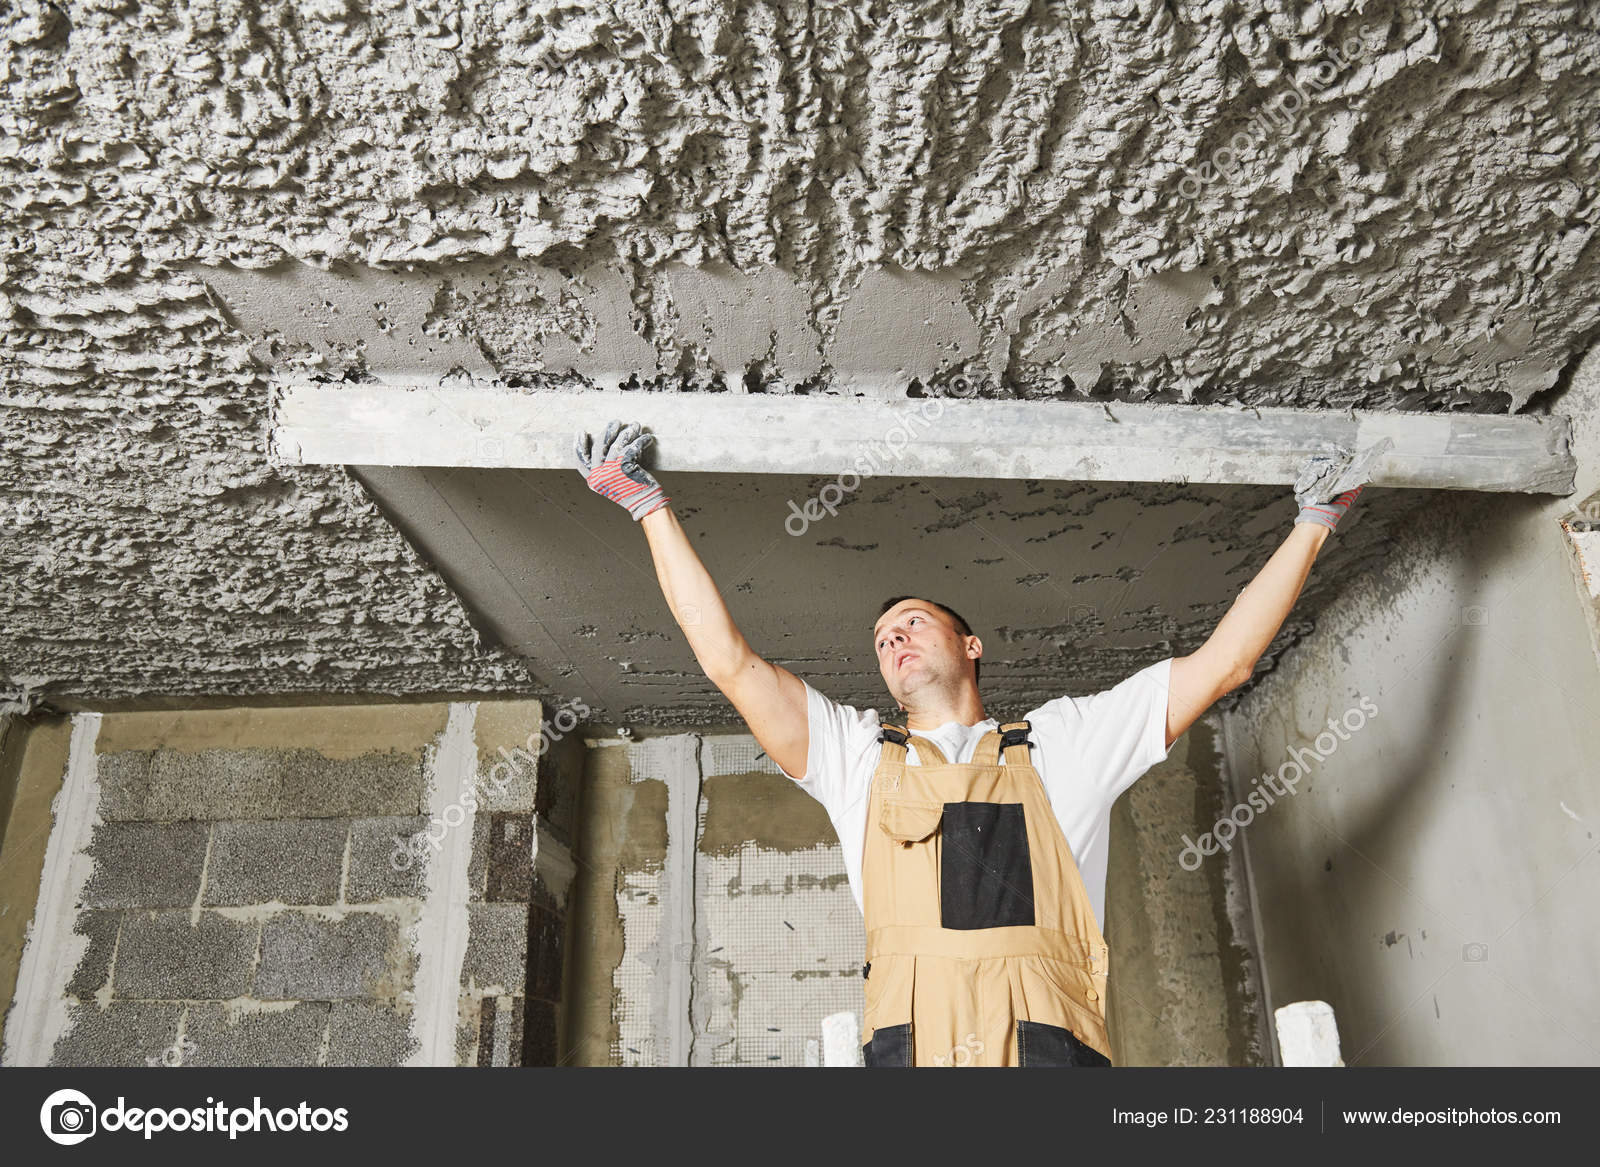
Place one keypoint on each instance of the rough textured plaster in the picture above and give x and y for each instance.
(1419, 235)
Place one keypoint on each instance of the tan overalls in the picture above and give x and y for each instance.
(982, 945)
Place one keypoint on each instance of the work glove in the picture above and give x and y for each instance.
(1329, 483)
(1329, 513)
(614, 471)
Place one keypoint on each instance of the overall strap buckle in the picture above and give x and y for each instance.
(893, 733)
(1015, 733)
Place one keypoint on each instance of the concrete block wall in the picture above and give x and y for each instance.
(520, 871)
(298, 886)
(245, 893)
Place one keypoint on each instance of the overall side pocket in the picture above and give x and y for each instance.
(890, 1048)
(1039, 1044)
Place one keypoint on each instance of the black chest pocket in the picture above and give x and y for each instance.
(985, 874)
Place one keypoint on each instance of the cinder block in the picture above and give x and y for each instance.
(380, 866)
(123, 777)
(500, 1031)
(561, 770)
(291, 862)
(305, 958)
(126, 1034)
(369, 1033)
(510, 875)
(539, 1034)
(497, 948)
(94, 968)
(258, 784)
(467, 1025)
(478, 860)
(161, 956)
(509, 749)
(145, 865)
(488, 1012)
(544, 955)
(274, 1037)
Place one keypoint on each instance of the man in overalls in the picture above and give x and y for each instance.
(979, 863)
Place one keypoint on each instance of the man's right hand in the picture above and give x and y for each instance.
(614, 471)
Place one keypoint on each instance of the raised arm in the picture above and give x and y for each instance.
(771, 699)
(1228, 657)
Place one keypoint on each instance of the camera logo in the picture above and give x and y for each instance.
(67, 1117)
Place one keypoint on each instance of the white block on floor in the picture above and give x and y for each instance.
(841, 1040)
(1308, 1034)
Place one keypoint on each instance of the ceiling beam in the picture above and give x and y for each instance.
(942, 437)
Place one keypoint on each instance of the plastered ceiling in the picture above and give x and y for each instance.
(1070, 586)
(1370, 205)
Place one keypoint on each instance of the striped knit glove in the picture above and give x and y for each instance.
(1329, 513)
(614, 470)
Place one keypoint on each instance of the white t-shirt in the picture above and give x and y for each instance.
(1087, 750)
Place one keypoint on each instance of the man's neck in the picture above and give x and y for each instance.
(967, 709)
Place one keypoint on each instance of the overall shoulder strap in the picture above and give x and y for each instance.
(1012, 737)
(988, 751)
(895, 737)
(1016, 740)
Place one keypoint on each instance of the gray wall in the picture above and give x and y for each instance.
(717, 925)
(1434, 876)
(1184, 988)
(235, 887)
(242, 909)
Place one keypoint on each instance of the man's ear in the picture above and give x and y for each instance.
(974, 648)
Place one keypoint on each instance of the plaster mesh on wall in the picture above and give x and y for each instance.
(778, 947)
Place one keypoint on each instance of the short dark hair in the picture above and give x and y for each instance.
(961, 625)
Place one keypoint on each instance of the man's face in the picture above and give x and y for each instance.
(917, 645)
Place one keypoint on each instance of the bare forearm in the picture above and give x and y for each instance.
(692, 595)
(1262, 607)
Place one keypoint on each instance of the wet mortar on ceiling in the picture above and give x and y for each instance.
(1120, 202)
